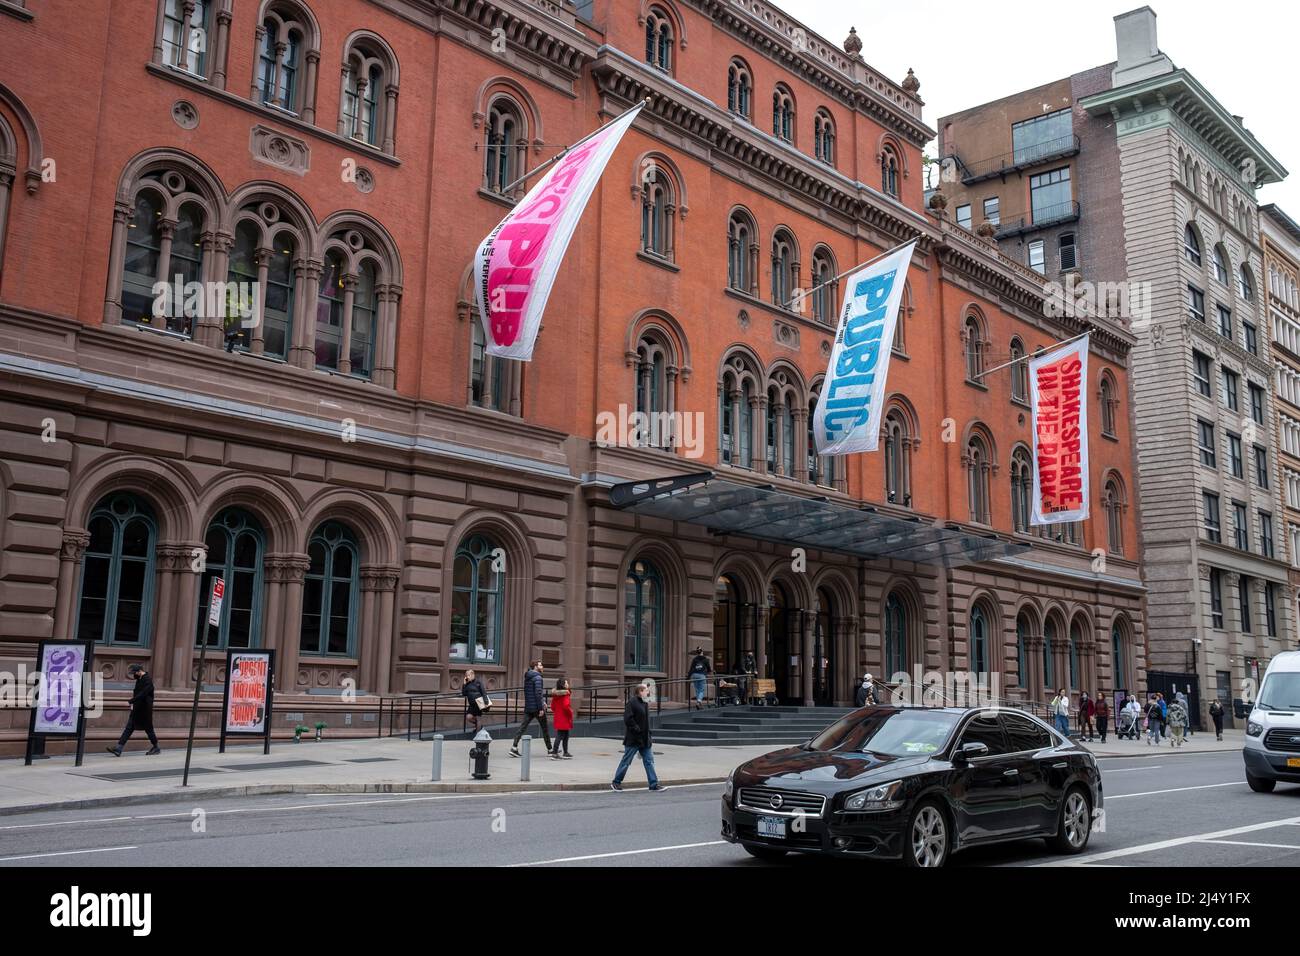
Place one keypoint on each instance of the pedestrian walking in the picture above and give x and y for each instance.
(748, 667)
(1216, 715)
(1153, 721)
(1086, 710)
(562, 708)
(534, 706)
(141, 716)
(1164, 715)
(700, 670)
(477, 702)
(1177, 719)
(1134, 711)
(1102, 710)
(1061, 711)
(1187, 707)
(866, 692)
(637, 740)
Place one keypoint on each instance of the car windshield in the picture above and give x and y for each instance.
(898, 733)
(1280, 692)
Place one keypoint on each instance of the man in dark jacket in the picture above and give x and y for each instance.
(700, 670)
(866, 692)
(141, 711)
(636, 739)
(534, 706)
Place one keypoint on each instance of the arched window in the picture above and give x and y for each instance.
(895, 637)
(1220, 264)
(783, 114)
(117, 573)
(284, 39)
(979, 640)
(740, 89)
(824, 137)
(785, 269)
(506, 146)
(356, 320)
(368, 106)
(643, 612)
(1019, 372)
(1114, 503)
(1119, 656)
(821, 470)
(653, 390)
(825, 290)
(1245, 285)
(974, 336)
(742, 253)
(658, 214)
(780, 430)
(185, 40)
(898, 459)
(900, 327)
(978, 469)
(659, 40)
(1192, 245)
(735, 413)
(1022, 489)
(1049, 645)
(235, 543)
(1023, 631)
(164, 238)
(889, 171)
(1109, 404)
(486, 380)
(265, 267)
(478, 602)
(1076, 638)
(329, 598)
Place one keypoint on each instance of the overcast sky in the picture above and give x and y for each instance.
(965, 54)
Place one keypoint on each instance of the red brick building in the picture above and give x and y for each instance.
(352, 462)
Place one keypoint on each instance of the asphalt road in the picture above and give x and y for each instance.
(1161, 810)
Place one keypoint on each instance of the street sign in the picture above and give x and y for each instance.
(214, 606)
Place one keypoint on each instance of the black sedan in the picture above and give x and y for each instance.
(915, 784)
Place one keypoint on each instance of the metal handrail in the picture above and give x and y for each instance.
(1017, 160)
(614, 691)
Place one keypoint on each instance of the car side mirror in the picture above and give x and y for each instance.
(968, 752)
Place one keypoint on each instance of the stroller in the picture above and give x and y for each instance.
(1128, 724)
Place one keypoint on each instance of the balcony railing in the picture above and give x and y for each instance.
(1018, 160)
(1041, 218)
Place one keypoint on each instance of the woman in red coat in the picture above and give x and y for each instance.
(562, 708)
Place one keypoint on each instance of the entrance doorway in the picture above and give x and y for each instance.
(823, 651)
(735, 622)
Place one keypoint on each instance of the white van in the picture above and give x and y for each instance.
(1272, 751)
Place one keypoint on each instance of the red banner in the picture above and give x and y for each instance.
(1059, 381)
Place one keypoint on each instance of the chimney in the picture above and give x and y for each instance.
(1138, 55)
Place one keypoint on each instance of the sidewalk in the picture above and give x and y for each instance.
(366, 765)
(1200, 743)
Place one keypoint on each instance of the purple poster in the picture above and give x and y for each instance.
(58, 702)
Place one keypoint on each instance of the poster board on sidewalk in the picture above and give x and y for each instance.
(63, 671)
(247, 700)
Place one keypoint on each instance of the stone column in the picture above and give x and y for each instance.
(6, 186)
(368, 628)
(157, 56)
(75, 542)
(175, 561)
(1033, 680)
(345, 339)
(808, 641)
(386, 632)
(185, 588)
(262, 259)
(220, 48)
(116, 258)
(303, 353)
(291, 571)
(259, 35)
(309, 87)
(183, 53)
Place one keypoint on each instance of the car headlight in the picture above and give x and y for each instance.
(731, 785)
(883, 797)
(1253, 729)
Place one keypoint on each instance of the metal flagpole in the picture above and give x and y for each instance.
(1026, 358)
(564, 152)
(860, 265)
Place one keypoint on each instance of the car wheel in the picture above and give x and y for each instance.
(928, 837)
(766, 854)
(1074, 826)
(1260, 784)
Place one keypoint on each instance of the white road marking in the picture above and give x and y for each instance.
(37, 856)
(387, 799)
(605, 856)
(1158, 766)
(1277, 846)
(1152, 793)
(1171, 843)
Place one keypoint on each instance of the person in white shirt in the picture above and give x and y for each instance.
(1061, 710)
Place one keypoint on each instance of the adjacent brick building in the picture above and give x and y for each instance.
(390, 506)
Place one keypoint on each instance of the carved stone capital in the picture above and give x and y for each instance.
(75, 542)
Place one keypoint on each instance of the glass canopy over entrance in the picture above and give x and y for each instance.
(761, 511)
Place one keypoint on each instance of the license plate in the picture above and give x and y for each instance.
(773, 827)
(1293, 761)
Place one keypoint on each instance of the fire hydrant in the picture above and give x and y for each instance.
(478, 756)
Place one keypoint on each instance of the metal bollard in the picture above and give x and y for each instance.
(437, 758)
(525, 757)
